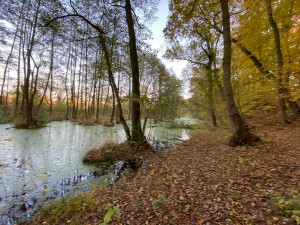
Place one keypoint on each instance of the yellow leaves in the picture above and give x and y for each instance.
(9, 139)
(45, 189)
(45, 175)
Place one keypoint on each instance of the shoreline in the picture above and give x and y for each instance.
(202, 181)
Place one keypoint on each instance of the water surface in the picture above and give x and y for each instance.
(42, 164)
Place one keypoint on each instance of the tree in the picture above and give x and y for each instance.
(136, 132)
(241, 133)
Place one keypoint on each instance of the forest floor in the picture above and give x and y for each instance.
(202, 181)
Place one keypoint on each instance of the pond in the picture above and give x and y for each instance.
(43, 164)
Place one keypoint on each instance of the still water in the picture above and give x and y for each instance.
(43, 164)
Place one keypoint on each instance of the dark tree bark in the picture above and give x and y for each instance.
(136, 132)
(241, 133)
(66, 81)
(281, 89)
(211, 108)
(31, 122)
(19, 73)
(130, 98)
(51, 71)
(113, 109)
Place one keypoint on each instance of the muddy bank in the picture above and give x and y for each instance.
(112, 152)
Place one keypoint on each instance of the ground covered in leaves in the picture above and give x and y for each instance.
(202, 181)
(112, 152)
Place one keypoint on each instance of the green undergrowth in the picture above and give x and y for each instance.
(287, 205)
(78, 210)
(5, 117)
(65, 210)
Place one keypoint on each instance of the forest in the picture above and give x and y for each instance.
(89, 105)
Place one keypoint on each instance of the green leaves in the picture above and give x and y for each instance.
(108, 216)
(111, 212)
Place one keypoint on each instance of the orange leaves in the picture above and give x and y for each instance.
(201, 221)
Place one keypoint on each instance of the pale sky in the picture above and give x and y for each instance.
(158, 41)
(159, 44)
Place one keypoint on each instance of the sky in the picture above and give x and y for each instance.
(158, 41)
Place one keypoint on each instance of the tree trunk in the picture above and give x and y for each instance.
(113, 85)
(19, 73)
(209, 73)
(211, 109)
(241, 133)
(51, 71)
(136, 131)
(113, 108)
(8, 61)
(31, 122)
(117, 118)
(280, 86)
(130, 99)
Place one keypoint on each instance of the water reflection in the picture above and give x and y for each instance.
(43, 164)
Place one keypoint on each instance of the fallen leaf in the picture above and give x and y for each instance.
(200, 221)
(9, 139)
(130, 195)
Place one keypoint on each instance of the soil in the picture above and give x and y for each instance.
(202, 181)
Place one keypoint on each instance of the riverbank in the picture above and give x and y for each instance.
(202, 181)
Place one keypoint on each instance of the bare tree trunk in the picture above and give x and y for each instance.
(130, 98)
(18, 72)
(8, 61)
(136, 130)
(113, 84)
(109, 68)
(280, 86)
(80, 80)
(209, 74)
(113, 108)
(106, 102)
(117, 112)
(73, 91)
(98, 100)
(31, 122)
(86, 73)
(241, 133)
(51, 72)
(211, 109)
(66, 83)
